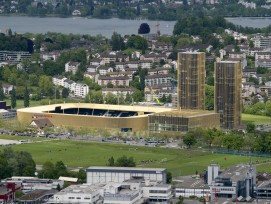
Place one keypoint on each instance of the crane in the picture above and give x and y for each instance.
(154, 96)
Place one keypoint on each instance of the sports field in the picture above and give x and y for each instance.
(257, 119)
(84, 154)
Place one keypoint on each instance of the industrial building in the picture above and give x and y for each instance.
(228, 93)
(131, 191)
(191, 80)
(119, 174)
(237, 182)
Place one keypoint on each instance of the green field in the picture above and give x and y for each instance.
(257, 119)
(84, 154)
(20, 103)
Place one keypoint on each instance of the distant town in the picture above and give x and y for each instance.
(146, 9)
(146, 118)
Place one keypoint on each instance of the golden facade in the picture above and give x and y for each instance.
(154, 119)
(191, 80)
(228, 93)
(182, 121)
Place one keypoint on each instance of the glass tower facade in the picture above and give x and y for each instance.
(228, 93)
(191, 80)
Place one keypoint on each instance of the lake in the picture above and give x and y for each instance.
(78, 25)
(105, 27)
(254, 22)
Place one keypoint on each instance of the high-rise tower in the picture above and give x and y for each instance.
(191, 80)
(228, 93)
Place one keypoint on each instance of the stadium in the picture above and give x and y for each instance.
(124, 118)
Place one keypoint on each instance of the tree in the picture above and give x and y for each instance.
(26, 97)
(46, 85)
(60, 169)
(169, 177)
(13, 97)
(189, 139)
(125, 162)
(82, 176)
(110, 98)
(117, 42)
(209, 97)
(144, 28)
(2, 95)
(111, 161)
(48, 170)
(137, 42)
(5, 170)
(65, 93)
(250, 127)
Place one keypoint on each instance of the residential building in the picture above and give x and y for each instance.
(72, 67)
(262, 55)
(132, 64)
(81, 90)
(262, 41)
(103, 70)
(96, 175)
(91, 75)
(160, 70)
(263, 63)
(118, 91)
(160, 46)
(228, 93)
(14, 56)
(116, 81)
(120, 65)
(59, 80)
(153, 80)
(50, 56)
(145, 64)
(191, 78)
(91, 68)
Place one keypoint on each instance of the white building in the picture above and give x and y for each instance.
(118, 91)
(85, 193)
(152, 80)
(262, 41)
(59, 80)
(122, 193)
(72, 67)
(158, 193)
(81, 89)
(119, 174)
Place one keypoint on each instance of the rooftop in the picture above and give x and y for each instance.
(236, 173)
(192, 183)
(125, 168)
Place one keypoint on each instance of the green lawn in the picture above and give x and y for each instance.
(84, 154)
(257, 119)
(20, 103)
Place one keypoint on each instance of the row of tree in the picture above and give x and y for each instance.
(252, 141)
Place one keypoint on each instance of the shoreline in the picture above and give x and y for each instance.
(115, 17)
